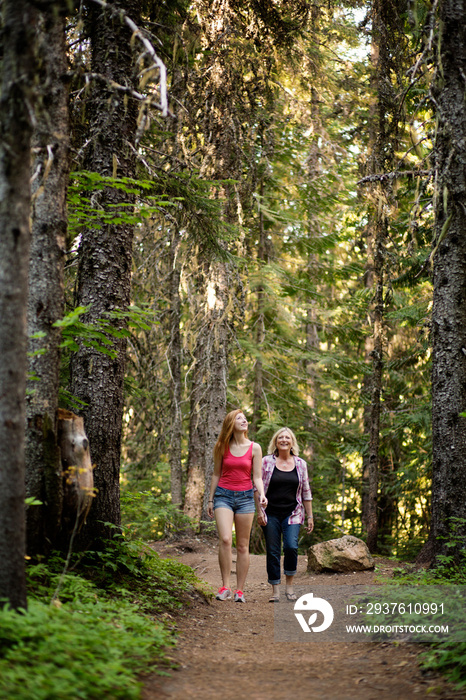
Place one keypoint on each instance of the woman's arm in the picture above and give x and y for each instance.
(213, 485)
(307, 499)
(309, 517)
(257, 474)
(304, 494)
(261, 515)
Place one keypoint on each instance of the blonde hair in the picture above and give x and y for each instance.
(273, 449)
(226, 433)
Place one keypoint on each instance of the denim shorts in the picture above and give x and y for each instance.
(238, 501)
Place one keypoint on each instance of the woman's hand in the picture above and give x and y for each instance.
(261, 519)
(309, 524)
(263, 501)
(210, 509)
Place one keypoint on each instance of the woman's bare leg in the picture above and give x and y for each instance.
(224, 520)
(243, 525)
(289, 584)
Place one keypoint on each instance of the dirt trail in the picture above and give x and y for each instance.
(227, 650)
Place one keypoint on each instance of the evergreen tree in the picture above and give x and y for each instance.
(16, 108)
(46, 290)
(105, 254)
(449, 281)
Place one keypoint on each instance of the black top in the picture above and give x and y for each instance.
(281, 494)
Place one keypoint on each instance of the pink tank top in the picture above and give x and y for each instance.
(236, 471)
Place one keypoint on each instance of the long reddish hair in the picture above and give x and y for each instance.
(226, 433)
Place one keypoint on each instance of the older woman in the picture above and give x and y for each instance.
(286, 485)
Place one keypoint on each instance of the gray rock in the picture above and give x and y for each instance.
(345, 554)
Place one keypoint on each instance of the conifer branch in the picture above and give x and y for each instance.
(381, 177)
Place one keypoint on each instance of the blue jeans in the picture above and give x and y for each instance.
(275, 529)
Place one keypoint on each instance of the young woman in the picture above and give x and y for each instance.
(289, 497)
(232, 498)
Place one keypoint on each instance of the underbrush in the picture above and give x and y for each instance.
(445, 586)
(91, 630)
(446, 655)
(150, 515)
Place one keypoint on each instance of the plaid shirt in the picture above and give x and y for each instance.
(303, 493)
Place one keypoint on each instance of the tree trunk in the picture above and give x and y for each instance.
(386, 40)
(217, 369)
(16, 106)
(208, 397)
(314, 173)
(105, 257)
(260, 323)
(366, 392)
(174, 361)
(46, 294)
(78, 486)
(195, 478)
(387, 502)
(449, 278)
(258, 365)
(257, 543)
(376, 388)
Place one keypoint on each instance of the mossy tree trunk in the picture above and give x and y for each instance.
(16, 107)
(209, 387)
(174, 359)
(387, 52)
(449, 278)
(46, 293)
(105, 258)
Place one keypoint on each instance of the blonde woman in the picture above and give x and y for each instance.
(286, 484)
(232, 498)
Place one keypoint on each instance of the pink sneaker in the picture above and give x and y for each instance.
(239, 597)
(223, 593)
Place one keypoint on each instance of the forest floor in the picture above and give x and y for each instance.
(227, 650)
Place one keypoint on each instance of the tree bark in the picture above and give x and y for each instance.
(174, 361)
(16, 107)
(366, 393)
(217, 369)
(314, 172)
(195, 478)
(449, 279)
(387, 502)
(209, 390)
(105, 257)
(78, 478)
(386, 38)
(376, 388)
(260, 323)
(46, 293)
